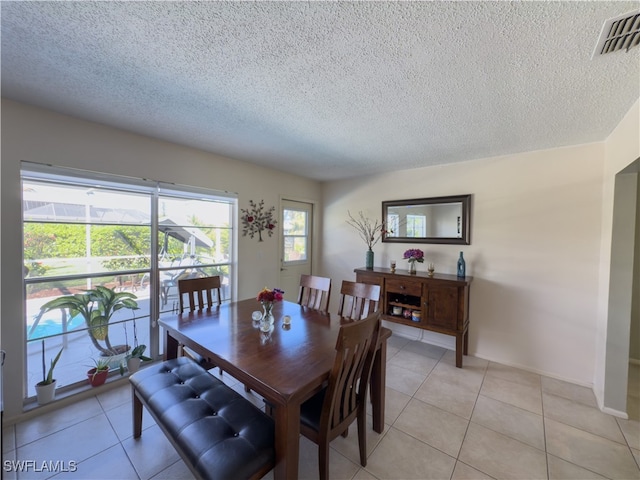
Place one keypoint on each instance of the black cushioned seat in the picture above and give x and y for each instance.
(218, 433)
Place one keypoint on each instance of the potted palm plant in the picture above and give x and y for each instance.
(46, 389)
(98, 374)
(97, 307)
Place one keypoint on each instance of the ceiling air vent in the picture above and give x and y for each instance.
(619, 33)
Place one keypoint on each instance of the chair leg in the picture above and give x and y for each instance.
(362, 436)
(323, 459)
(137, 415)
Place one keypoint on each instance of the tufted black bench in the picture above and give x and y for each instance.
(218, 433)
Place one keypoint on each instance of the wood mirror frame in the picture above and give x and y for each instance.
(444, 220)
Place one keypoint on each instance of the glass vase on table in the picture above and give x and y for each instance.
(267, 315)
(412, 267)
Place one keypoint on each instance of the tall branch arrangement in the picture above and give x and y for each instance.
(256, 218)
(370, 231)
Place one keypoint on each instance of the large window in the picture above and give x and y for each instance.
(194, 238)
(82, 231)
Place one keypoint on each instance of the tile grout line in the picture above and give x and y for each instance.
(484, 375)
(544, 431)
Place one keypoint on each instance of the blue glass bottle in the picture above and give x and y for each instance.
(461, 266)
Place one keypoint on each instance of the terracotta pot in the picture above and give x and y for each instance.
(97, 379)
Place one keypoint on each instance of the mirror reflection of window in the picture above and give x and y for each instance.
(416, 226)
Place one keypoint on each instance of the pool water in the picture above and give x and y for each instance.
(48, 327)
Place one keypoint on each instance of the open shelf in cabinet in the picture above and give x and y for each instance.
(439, 303)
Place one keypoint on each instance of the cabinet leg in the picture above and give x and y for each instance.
(466, 342)
(459, 348)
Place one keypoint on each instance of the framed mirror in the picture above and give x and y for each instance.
(428, 220)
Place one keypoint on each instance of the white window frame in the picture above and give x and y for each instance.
(74, 177)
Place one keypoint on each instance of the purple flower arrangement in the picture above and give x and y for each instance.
(414, 255)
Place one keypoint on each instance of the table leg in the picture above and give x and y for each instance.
(170, 346)
(287, 418)
(378, 386)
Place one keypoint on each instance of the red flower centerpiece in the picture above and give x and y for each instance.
(266, 297)
(413, 255)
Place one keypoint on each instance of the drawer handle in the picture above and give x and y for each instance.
(402, 287)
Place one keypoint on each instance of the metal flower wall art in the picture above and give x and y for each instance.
(256, 218)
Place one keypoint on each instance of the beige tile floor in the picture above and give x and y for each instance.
(480, 422)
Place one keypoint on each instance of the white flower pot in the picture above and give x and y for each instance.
(114, 361)
(46, 393)
(133, 364)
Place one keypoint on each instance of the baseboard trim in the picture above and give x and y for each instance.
(615, 413)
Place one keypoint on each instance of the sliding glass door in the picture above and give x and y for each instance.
(81, 232)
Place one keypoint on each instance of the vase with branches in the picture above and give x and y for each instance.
(371, 231)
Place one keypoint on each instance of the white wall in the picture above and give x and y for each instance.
(634, 344)
(534, 253)
(621, 149)
(43, 136)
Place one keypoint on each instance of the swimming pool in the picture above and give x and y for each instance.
(48, 327)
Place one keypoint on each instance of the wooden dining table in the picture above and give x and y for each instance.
(286, 365)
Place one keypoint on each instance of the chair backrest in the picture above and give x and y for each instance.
(358, 300)
(314, 292)
(347, 390)
(198, 290)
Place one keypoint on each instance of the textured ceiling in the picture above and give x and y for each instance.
(327, 89)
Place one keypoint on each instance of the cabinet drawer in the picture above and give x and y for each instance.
(370, 279)
(405, 287)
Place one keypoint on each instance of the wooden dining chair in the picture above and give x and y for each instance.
(200, 294)
(314, 292)
(358, 300)
(329, 413)
(197, 291)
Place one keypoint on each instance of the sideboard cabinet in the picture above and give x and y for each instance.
(439, 303)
